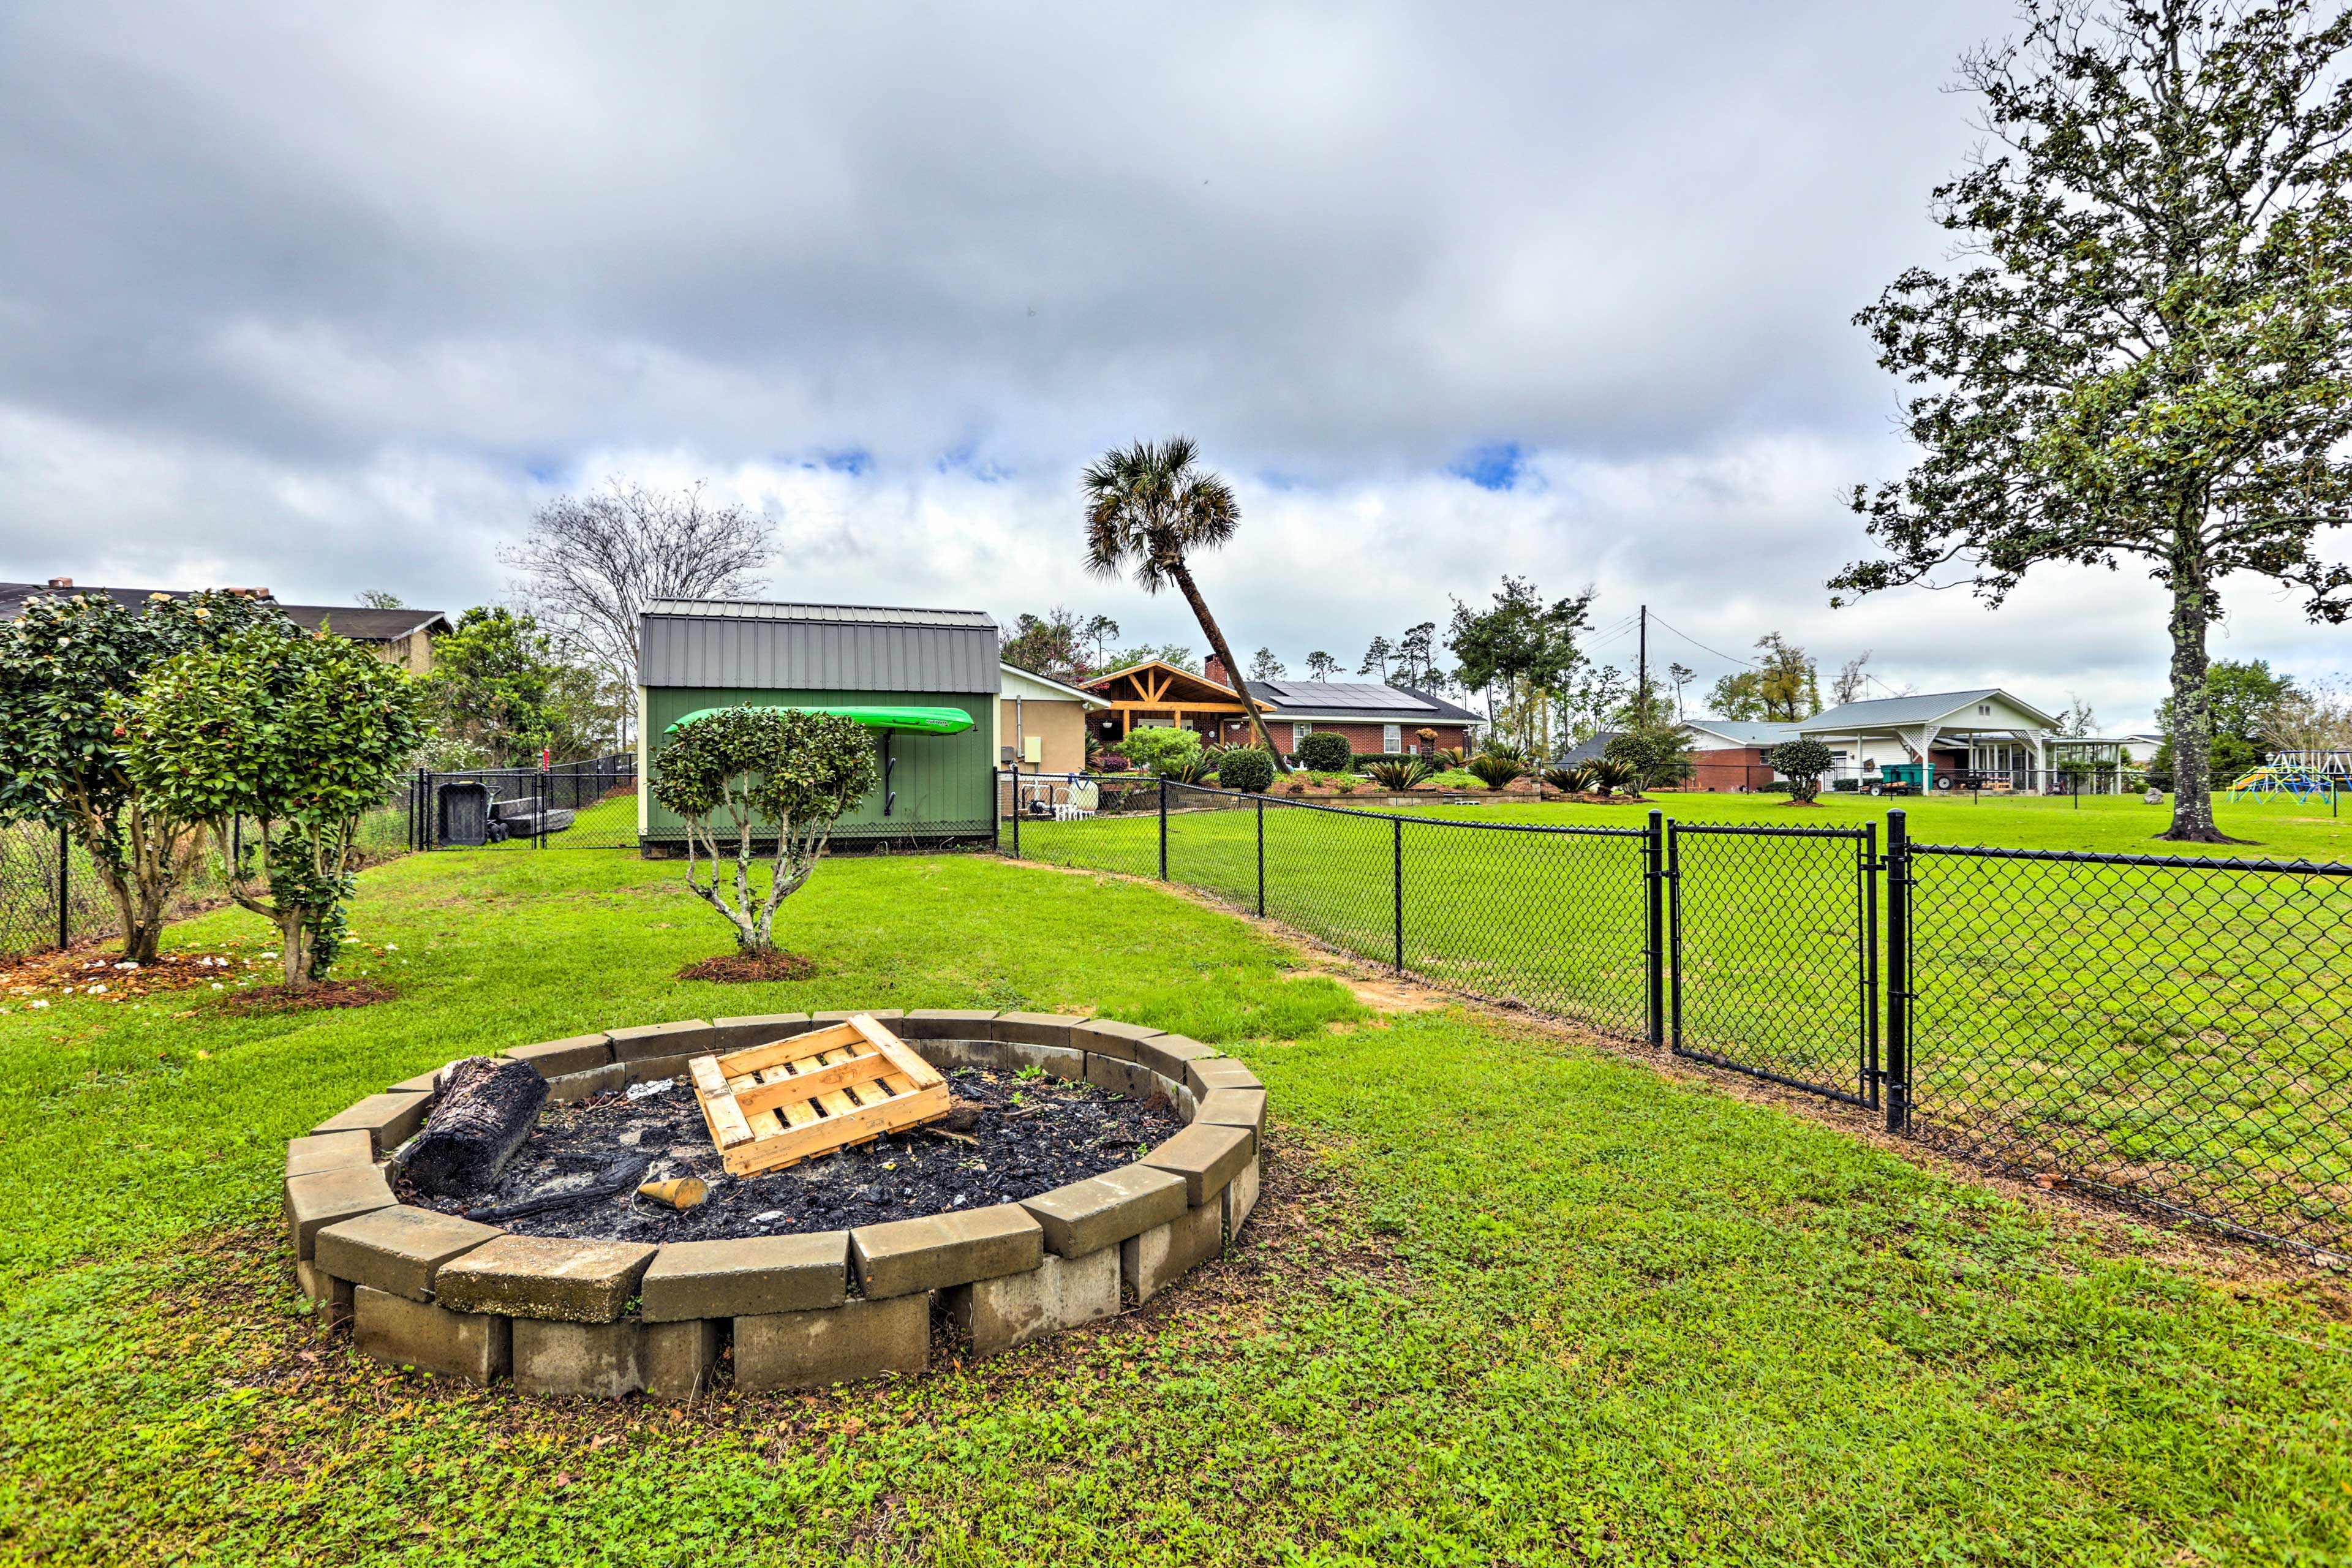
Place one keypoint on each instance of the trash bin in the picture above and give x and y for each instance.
(461, 812)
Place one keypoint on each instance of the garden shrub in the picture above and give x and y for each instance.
(1804, 762)
(1158, 749)
(1400, 775)
(1324, 752)
(1652, 756)
(1245, 768)
(1495, 772)
(1574, 780)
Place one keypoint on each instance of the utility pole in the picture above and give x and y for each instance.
(1642, 675)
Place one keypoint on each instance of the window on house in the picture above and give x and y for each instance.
(1392, 738)
(1299, 732)
(1985, 708)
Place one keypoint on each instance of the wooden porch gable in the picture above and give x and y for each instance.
(1164, 688)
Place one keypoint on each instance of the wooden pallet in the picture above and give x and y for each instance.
(775, 1105)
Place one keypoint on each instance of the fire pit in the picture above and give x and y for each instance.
(1083, 1163)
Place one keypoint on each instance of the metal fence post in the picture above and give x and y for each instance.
(1654, 875)
(1396, 879)
(996, 809)
(1866, 940)
(1261, 856)
(1898, 973)
(1163, 827)
(65, 885)
(539, 796)
(1017, 811)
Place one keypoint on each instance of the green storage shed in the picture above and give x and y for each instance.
(714, 653)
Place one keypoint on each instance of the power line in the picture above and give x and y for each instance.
(1718, 653)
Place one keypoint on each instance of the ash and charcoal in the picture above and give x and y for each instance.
(577, 1173)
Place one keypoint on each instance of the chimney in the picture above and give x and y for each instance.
(60, 581)
(1215, 671)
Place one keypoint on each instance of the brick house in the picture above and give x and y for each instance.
(1727, 755)
(1371, 718)
(403, 637)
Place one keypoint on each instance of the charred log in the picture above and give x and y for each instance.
(486, 1108)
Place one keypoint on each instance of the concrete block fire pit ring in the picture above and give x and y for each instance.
(607, 1319)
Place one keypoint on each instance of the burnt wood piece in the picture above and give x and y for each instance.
(486, 1108)
(621, 1176)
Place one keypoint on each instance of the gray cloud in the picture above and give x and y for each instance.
(329, 298)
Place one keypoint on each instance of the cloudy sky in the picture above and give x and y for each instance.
(330, 298)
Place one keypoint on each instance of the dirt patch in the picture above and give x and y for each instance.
(1023, 1136)
(324, 994)
(1382, 993)
(742, 968)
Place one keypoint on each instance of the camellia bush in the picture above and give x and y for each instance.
(297, 735)
(63, 760)
(755, 774)
(1803, 762)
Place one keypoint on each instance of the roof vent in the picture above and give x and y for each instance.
(60, 581)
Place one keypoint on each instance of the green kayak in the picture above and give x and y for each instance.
(921, 721)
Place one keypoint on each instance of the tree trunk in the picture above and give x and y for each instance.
(294, 947)
(2192, 717)
(1208, 629)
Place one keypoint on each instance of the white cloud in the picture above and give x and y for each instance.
(330, 301)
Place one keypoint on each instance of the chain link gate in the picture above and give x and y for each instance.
(1773, 953)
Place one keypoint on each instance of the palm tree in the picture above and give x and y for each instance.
(1149, 506)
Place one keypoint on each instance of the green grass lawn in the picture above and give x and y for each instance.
(2178, 1031)
(1509, 1298)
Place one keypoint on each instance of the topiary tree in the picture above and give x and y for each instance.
(788, 773)
(297, 735)
(1245, 768)
(1324, 752)
(62, 758)
(1803, 762)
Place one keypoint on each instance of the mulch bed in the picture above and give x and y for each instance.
(324, 994)
(97, 969)
(1026, 1136)
(738, 968)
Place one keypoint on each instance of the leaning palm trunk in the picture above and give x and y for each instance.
(1216, 635)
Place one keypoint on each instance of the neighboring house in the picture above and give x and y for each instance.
(403, 637)
(1591, 748)
(711, 653)
(1730, 754)
(1043, 722)
(1985, 732)
(1371, 718)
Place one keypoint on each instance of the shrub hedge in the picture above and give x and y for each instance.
(1324, 753)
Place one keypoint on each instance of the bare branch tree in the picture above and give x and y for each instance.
(590, 564)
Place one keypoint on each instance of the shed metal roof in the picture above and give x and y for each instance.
(746, 646)
(828, 614)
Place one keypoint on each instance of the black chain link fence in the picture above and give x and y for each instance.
(2161, 1030)
(51, 895)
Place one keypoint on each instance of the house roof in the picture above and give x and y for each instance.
(1887, 712)
(1343, 701)
(741, 645)
(362, 624)
(1742, 731)
(1033, 678)
(357, 622)
(1589, 749)
(1176, 680)
(826, 615)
